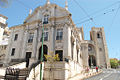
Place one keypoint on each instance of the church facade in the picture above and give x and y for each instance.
(95, 51)
(61, 37)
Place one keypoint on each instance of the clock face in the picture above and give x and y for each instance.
(89, 48)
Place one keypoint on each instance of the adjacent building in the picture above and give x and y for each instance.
(95, 50)
(4, 35)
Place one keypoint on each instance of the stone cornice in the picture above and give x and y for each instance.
(58, 18)
(25, 24)
(3, 24)
(17, 26)
(3, 16)
(45, 7)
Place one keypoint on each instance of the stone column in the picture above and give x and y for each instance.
(35, 44)
(69, 43)
(24, 45)
(65, 42)
(52, 40)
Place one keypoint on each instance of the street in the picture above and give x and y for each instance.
(110, 74)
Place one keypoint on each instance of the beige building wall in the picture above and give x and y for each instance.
(59, 19)
(98, 36)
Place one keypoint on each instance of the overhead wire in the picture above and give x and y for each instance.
(96, 12)
(95, 16)
(103, 9)
(115, 15)
(113, 23)
(84, 11)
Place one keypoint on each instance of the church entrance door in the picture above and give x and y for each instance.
(45, 50)
(28, 55)
(92, 60)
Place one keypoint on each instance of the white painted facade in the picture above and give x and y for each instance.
(61, 36)
(4, 35)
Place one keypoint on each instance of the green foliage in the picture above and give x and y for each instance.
(119, 62)
(52, 58)
(114, 63)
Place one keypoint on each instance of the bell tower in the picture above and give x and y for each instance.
(97, 35)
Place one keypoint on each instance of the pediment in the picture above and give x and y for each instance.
(52, 10)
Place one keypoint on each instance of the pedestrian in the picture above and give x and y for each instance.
(96, 69)
(87, 69)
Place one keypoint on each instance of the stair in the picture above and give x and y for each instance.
(16, 74)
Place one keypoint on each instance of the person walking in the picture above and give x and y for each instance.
(96, 69)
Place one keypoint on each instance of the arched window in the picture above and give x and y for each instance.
(89, 48)
(98, 35)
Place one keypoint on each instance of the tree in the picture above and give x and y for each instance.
(114, 63)
(119, 62)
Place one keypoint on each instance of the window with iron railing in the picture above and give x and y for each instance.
(30, 39)
(45, 35)
(59, 35)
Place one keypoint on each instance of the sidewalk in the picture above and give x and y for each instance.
(91, 73)
(84, 75)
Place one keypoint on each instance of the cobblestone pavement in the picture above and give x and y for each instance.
(107, 74)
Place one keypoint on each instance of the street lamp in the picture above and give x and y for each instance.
(41, 59)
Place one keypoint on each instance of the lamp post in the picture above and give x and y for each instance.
(41, 59)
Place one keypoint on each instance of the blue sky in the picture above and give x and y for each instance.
(105, 13)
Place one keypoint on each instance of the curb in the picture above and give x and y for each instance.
(93, 74)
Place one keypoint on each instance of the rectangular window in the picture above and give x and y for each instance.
(30, 39)
(77, 55)
(60, 54)
(16, 36)
(13, 52)
(59, 34)
(45, 35)
(45, 19)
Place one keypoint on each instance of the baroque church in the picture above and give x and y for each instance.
(61, 37)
